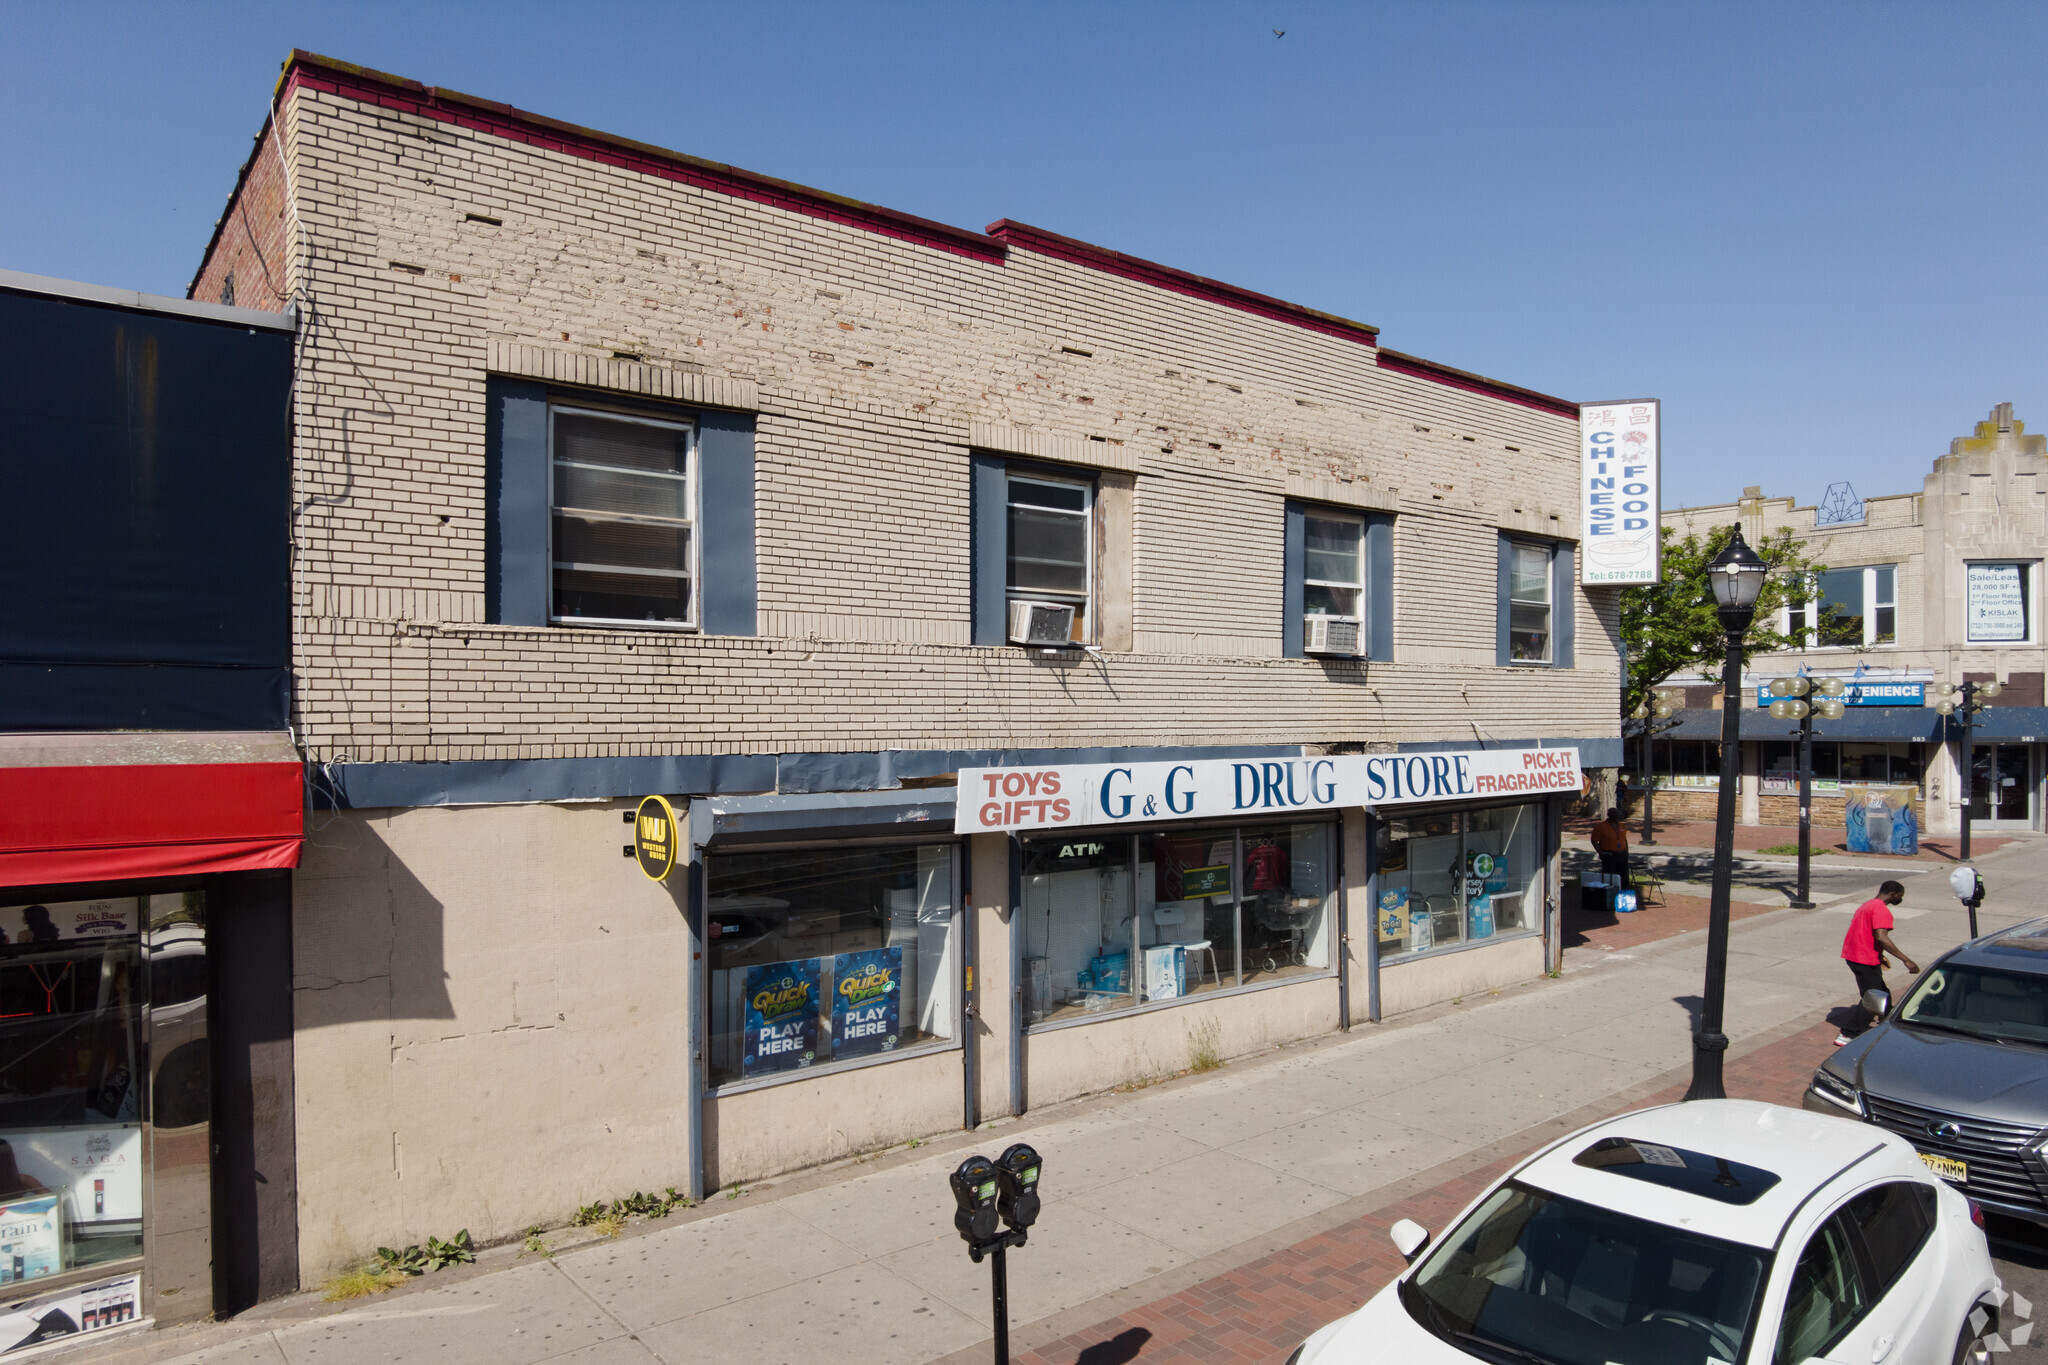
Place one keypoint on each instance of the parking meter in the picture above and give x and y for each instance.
(974, 1190)
(1968, 886)
(1017, 1186)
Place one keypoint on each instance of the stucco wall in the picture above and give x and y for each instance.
(1085, 1058)
(808, 1122)
(1433, 979)
(489, 1012)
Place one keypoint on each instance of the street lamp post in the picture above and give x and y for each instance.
(1737, 574)
(1974, 695)
(1658, 706)
(1790, 704)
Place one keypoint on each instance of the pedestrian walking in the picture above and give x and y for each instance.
(1868, 949)
(1610, 841)
(1621, 794)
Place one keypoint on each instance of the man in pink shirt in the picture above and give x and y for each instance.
(1868, 948)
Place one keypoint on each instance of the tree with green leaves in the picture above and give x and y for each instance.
(1671, 627)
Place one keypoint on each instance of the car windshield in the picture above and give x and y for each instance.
(1536, 1277)
(2009, 1007)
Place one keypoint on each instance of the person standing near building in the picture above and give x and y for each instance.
(1868, 949)
(1610, 841)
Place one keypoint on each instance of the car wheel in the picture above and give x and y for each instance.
(1972, 1343)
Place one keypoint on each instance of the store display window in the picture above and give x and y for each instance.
(1446, 880)
(1116, 919)
(830, 955)
(102, 1030)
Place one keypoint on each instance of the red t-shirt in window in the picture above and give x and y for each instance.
(1860, 944)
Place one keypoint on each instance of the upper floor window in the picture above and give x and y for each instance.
(1850, 608)
(624, 518)
(1529, 603)
(1333, 578)
(1051, 545)
(1998, 601)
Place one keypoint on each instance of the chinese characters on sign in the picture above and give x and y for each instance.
(1620, 505)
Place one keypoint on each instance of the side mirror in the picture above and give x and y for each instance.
(1877, 1002)
(1410, 1237)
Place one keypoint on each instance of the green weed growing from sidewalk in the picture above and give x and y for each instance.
(1204, 1046)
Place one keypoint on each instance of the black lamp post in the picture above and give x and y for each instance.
(1737, 574)
(1790, 704)
(1974, 695)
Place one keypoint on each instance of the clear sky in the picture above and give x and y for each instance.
(1814, 230)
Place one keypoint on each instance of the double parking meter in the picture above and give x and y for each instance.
(975, 1186)
(1017, 1186)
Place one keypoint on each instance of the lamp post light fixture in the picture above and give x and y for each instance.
(1968, 699)
(1789, 702)
(1737, 575)
(1659, 705)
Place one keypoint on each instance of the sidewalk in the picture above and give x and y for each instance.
(1270, 1170)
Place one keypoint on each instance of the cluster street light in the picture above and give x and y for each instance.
(1789, 702)
(1737, 574)
(1968, 699)
(1659, 705)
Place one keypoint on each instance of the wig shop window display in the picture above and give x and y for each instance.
(826, 956)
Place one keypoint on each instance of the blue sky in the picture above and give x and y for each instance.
(1814, 230)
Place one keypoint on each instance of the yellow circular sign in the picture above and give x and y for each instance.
(656, 838)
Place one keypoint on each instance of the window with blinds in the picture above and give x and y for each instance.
(624, 519)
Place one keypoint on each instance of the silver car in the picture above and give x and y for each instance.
(1960, 1070)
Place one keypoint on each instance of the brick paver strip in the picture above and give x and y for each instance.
(1696, 834)
(1258, 1312)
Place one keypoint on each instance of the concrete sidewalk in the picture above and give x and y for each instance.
(1147, 1193)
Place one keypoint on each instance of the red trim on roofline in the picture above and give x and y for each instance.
(1415, 365)
(387, 91)
(1180, 281)
(516, 125)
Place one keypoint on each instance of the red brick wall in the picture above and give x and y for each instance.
(254, 240)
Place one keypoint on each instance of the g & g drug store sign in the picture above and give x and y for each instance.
(1000, 799)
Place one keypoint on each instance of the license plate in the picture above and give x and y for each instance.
(1947, 1167)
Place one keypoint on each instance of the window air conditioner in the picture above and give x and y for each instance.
(1329, 635)
(1048, 624)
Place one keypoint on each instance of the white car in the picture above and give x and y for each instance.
(1710, 1232)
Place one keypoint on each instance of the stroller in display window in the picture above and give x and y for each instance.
(1287, 917)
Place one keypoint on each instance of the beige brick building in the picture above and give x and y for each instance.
(1920, 589)
(620, 473)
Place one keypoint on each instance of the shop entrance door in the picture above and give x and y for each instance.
(2002, 786)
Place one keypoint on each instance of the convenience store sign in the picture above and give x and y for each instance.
(1075, 795)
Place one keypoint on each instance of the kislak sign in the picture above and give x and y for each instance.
(1084, 794)
(1620, 503)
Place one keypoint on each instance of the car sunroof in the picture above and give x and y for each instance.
(1676, 1168)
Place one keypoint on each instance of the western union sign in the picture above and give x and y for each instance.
(656, 838)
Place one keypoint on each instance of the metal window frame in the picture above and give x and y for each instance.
(687, 424)
(1548, 549)
(1333, 902)
(956, 852)
(1356, 519)
(1091, 532)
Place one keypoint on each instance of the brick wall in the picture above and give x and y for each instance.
(871, 358)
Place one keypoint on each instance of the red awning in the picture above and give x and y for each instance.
(116, 807)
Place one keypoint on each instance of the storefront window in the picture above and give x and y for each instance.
(1119, 919)
(829, 955)
(73, 1057)
(1452, 879)
(1893, 762)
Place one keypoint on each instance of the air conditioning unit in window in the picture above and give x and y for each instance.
(1050, 624)
(1329, 635)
